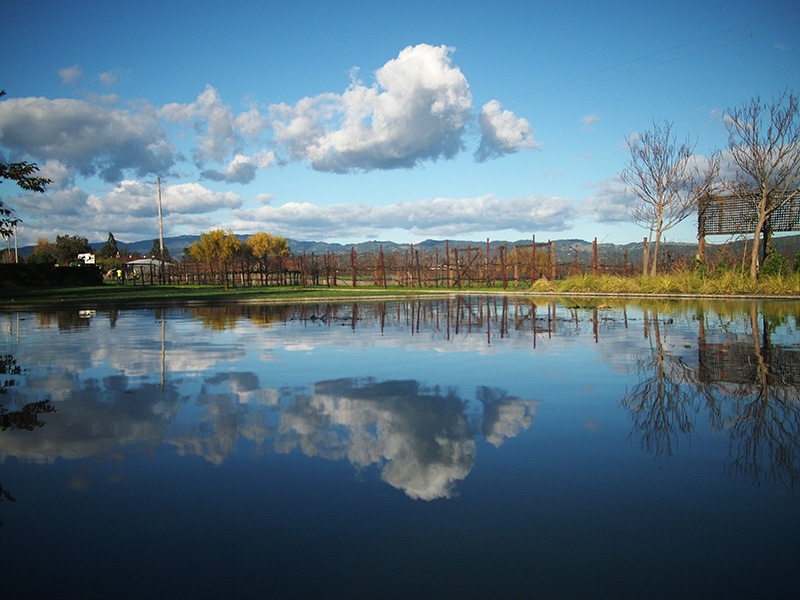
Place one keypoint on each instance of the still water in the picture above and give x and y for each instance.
(468, 446)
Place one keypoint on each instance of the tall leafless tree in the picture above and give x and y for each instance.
(764, 147)
(667, 181)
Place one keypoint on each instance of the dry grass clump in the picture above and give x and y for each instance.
(681, 282)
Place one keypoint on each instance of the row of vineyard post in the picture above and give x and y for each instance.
(504, 266)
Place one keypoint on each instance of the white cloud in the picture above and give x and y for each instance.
(242, 169)
(59, 174)
(108, 78)
(433, 217)
(130, 210)
(610, 203)
(86, 137)
(264, 198)
(193, 198)
(70, 75)
(502, 132)
(590, 120)
(416, 110)
(217, 133)
(137, 198)
(60, 203)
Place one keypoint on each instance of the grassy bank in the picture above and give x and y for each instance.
(111, 294)
(726, 284)
(688, 283)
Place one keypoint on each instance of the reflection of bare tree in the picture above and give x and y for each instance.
(763, 421)
(765, 432)
(662, 404)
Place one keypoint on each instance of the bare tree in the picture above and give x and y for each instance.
(667, 182)
(764, 146)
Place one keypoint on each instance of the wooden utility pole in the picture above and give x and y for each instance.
(160, 233)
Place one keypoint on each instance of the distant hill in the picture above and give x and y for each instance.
(565, 249)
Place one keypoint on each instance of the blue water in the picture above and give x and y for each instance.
(460, 447)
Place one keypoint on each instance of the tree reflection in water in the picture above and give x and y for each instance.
(749, 388)
(27, 418)
(765, 429)
(662, 405)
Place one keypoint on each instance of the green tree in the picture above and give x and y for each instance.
(109, 249)
(24, 174)
(68, 247)
(155, 251)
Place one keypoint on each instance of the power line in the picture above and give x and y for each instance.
(750, 35)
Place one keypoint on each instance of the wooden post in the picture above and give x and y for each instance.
(625, 263)
(353, 263)
(447, 263)
(458, 268)
(488, 275)
(503, 266)
(575, 268)
(436, 269)
(382, 268)
(594, 257)
(551, 249)
(411, 266)
(420, 281)
(533, 260)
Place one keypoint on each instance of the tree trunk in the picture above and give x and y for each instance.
(659, 229)
(754, 252)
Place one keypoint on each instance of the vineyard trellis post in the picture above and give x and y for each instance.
(353, 264)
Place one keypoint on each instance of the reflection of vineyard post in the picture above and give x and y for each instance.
(765, 433)
(660, 405)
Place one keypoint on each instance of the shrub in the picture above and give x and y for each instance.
(775, 264)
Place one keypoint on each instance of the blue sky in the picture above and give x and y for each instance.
(353, 121)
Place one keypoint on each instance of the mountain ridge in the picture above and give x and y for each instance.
(564, 248)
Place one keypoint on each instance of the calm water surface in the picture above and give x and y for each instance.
(474, 446)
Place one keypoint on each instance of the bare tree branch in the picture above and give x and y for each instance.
(764, 146)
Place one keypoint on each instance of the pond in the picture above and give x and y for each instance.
(458, 446)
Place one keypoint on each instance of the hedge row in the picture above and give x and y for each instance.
(25, 275)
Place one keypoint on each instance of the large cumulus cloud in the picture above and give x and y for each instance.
(416, 110)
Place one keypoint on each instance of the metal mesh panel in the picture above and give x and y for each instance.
(739, 364)
(735, 214)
